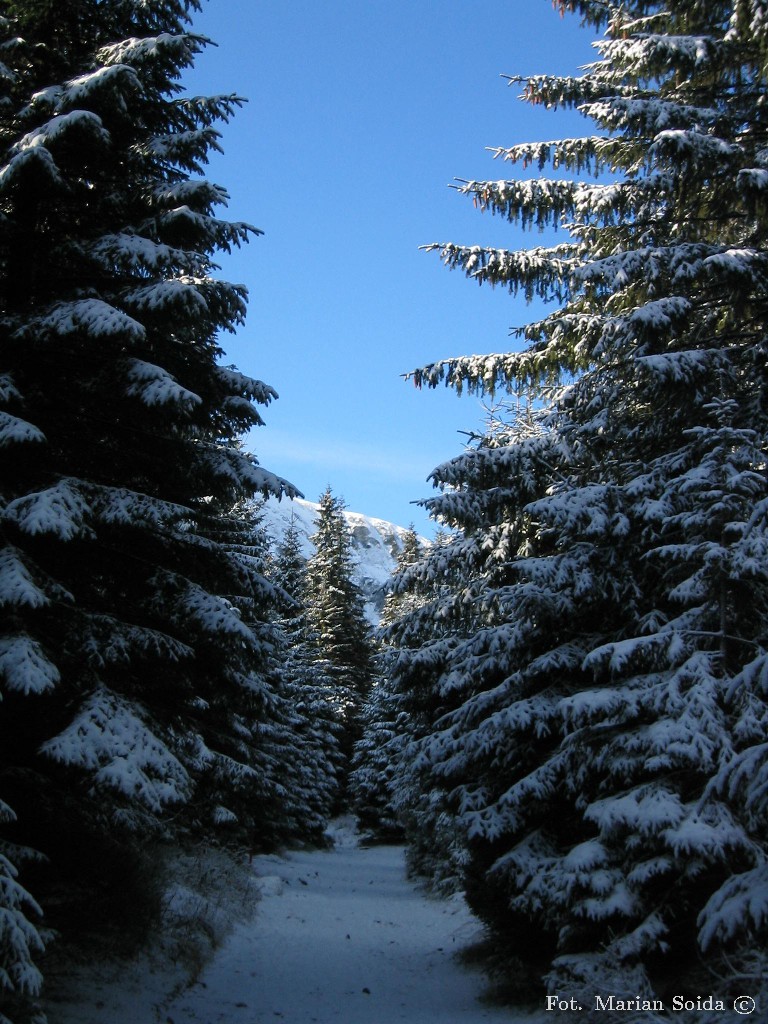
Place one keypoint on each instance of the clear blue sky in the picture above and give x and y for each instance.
(360, 115)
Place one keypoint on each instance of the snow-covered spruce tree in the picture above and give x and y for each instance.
(315, 763)
(378, 750)
(606, 755)
(118, 429)
(336, 615)
(458, 580)
(374, 758)
(267, 802)
(21, 938)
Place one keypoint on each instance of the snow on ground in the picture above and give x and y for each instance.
(205, 893)
(341, 937)
(338, 937)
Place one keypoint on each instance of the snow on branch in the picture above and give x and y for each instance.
(64, 126)
(37, 158)
(711, 832)
(208, 109)
(211, 232)
(743, 266)
(592, 155)
(242, 471)
(646, 116)
(246, 387)
(137, 51)
(554, 91)
(59, 510)
(155, 386)
(202, 193)
(8, 390)
(110, 741)
(540, 201)
(539, 272)
(642, 811)
(19, 938)
(537, 201)
(17, 585)
(24, 666)
(135, 252)
(657, 55)
(678, 263)
(188, 148)
(187, 603)
(17, 431)
(480, 374)
(83, 90)
(180, 296)
(739, 906)
(242, 411)
(687, 367)
(745, 779)
(124, 507)
(696, 146)
(752, 180)
(93, 318)
(110, 641)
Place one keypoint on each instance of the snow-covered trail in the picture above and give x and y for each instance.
(341, 937)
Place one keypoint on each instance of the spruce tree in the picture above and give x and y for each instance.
(605, 752)
(316, 763)
(122, 639)
(335, 611)
(263, 806)
(379, 749)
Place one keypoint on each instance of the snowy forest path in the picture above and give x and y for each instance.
(341, 937)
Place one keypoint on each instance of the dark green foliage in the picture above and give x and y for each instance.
(305, 684)
(135, 645)
(593, 680)
(336, 615)
(374, 778)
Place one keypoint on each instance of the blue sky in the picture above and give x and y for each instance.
(360, 116)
